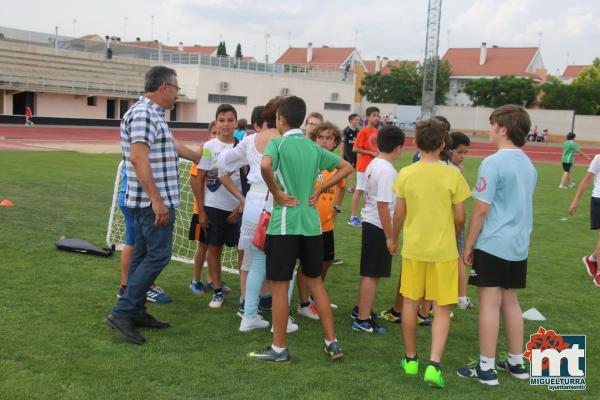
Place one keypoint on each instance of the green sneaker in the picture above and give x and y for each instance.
(433, 376)
(410, 367)
(269, 354)
(334, 350)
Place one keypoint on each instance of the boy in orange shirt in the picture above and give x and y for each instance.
(329, 137)
(366, 147)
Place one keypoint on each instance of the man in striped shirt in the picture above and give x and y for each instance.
(150, 153)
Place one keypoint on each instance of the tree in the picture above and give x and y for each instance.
(590, 74)
(583, 98)
(404, 84)
(499, 91)
(238, 51)
(222, 50)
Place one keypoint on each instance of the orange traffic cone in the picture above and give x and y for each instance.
(6, 203)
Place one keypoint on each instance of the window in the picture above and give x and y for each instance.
(226, 98)
(337, 106)
(91, 100)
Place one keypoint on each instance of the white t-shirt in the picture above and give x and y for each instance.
(594, 168)
(379, 176)
(215, 194)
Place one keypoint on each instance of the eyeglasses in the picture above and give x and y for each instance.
(175, 86)
(326, 138)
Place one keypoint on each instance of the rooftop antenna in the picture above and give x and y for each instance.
(152, 27)
(74, 24)
(356, 38)
(124, 28)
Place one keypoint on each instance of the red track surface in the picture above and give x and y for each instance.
(21, 138)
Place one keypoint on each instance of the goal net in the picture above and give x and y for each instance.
(183, 248)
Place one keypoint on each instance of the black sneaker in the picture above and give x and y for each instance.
(518, 371)
(126, 328)
(271, 355)
(148, 321)
(472, 370)
(334, 350)
(354, 314)
(265, 304)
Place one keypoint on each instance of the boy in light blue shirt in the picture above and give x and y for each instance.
(497, 244)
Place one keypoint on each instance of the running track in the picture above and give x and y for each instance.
(19, 138)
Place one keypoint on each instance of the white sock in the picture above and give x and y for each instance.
(462, 299)
(277, 349)
(327, 342)
(593, 257)
(515, 359)
(486, 363)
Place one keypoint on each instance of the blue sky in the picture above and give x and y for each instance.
(392, 28)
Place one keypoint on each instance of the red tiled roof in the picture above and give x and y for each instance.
(321, 55)
(146, 43)
(573, 70)
(500, 61)
(370, 64)
(206, 50)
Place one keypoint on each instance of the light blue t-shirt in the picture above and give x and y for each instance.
(239, 134)
(123, 188)
(506, 181)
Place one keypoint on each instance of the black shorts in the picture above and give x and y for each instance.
(283, 250)
(328, 246)
(567, 166)
(219, 231)
(351, 158)
(195, 229)
(375, 259)
(595, 213)
(492, 271)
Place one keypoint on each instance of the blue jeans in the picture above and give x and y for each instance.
(151, 254)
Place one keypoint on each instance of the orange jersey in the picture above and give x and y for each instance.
(327, 200)
(194, 173)
(366, 140)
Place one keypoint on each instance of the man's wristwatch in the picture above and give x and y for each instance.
(337, 209)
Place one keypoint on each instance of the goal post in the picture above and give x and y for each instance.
(183, 248)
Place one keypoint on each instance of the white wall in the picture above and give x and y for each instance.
(587, 127)
(259, 88)
(68, 105)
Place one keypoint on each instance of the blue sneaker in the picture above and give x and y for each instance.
(354, 221)
(518, 371)
(265, 304)
(240, 312)
(198, 287)
(374, 317)
(156, 295)
(473, 371)
(226, 289)
(368, 326)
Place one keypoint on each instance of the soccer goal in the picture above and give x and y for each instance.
(183, 248)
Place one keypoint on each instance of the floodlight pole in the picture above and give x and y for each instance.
(430, 63)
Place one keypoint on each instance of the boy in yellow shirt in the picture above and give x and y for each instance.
(430, 211)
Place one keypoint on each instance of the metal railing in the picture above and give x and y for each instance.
(325, 72)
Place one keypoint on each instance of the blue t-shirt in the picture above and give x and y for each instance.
(506, 181)
(123, 188)
(239, 134)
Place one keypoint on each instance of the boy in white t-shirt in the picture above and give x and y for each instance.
(591, 261)
(221, 202)
(377, 244)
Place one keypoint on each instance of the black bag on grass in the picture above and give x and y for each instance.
(83, 246)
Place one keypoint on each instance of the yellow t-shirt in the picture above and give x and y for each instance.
(430, 190)
(327, 199)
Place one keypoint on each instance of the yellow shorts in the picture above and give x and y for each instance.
(437, 281)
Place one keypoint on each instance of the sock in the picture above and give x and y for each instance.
(277, 349)
(265, 296)
(415, 358)
(462, 299)
(302, 304)
(486, 363)
(394, 313)
(515, 359)
(124, 286)
(422, 317)
(435, 364)
(327, 342)
(592, 258)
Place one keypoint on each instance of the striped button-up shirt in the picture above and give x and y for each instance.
(145, 122)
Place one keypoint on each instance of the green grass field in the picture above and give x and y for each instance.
(53, 344)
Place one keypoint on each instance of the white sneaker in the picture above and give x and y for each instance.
(291, 326)
(250, 323)
(217, 301)
(465, 305)
(309, 312)
(334, 306)
(562, 187)
(572, 185)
